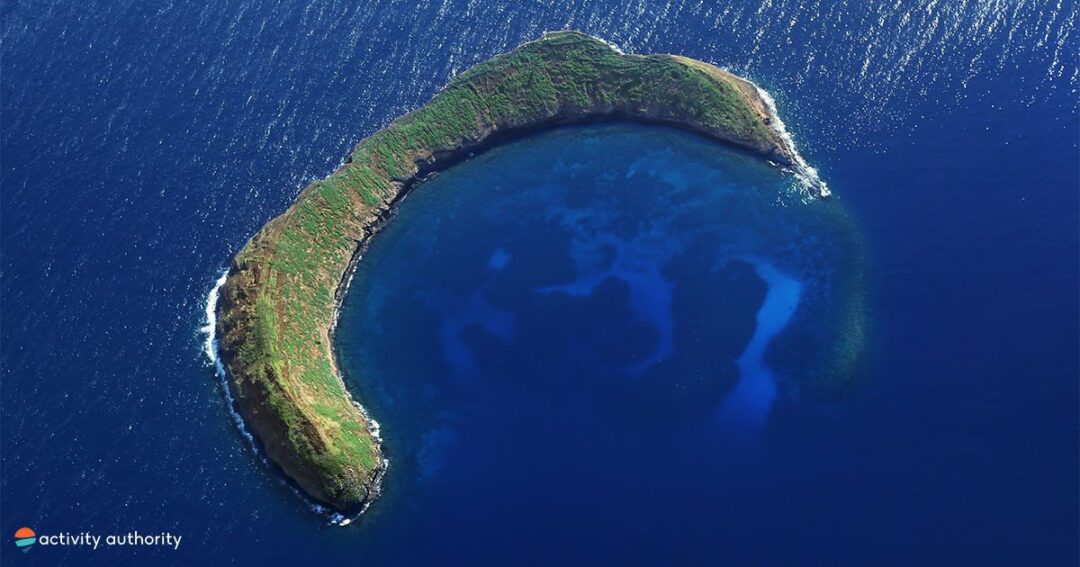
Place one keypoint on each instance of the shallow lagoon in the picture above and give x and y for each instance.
(556, 332)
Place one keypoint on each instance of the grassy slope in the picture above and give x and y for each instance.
(279, 301)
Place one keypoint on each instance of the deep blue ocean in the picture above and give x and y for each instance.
(554, 389)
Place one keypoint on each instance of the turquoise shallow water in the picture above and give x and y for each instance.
(577, 303)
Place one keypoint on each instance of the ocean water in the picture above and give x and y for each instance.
(141, 144)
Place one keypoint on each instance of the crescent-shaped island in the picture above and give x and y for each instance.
(278, 305)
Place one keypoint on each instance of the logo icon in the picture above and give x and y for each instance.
(25, 538)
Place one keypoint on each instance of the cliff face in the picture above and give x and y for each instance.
(278, 305)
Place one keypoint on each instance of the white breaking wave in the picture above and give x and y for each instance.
(210, 348)
(808, 177)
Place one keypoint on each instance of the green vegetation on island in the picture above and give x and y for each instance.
(278, 305)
